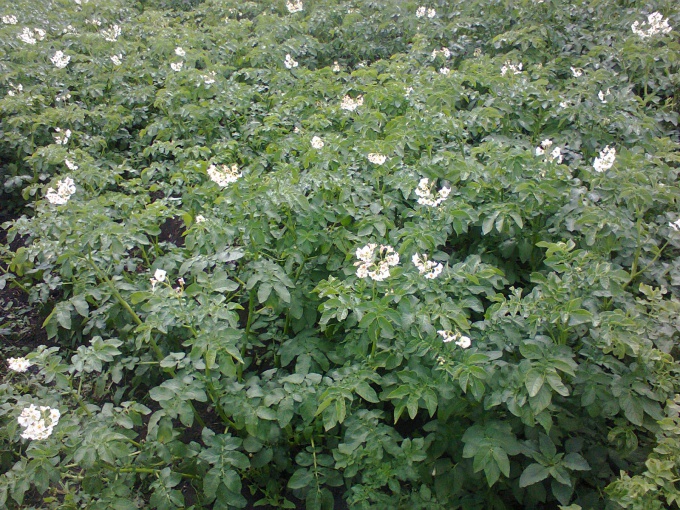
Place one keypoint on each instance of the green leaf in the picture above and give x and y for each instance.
(534, 381)
(575, 462)
(534, 473)
(365, 391)
(300, 479)
(263, 292)
(161, 393)
(502, 460)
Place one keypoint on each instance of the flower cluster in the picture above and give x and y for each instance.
(449, 336)
(336, 67)
(655, 24)
(70, 164)
(444, 51)
(117, 59)
(18, 89)
(576, 71)
(602, 95)
(444, 70)
(295, 6)
(317, 142)
(425, 195)
(554, 155)
(176, 66)
(225, 176)
(377, 159)
(38, 423)
(93, 21)
(408, 91)
(606, 159)
(428, 268)
(65, 188)
(509, 66)
(60, 60)
(31, 36)
(179, 51)
(289, 62)
(18, 364)
(62, 139)
(9, 20)
(62, 97)
(377, 270)
(158, 277)
(350, 104)
(200, 219)
(112, 33)
(209, 78)
(422, 11)
(675, 225)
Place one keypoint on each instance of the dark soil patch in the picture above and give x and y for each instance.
(172, 231)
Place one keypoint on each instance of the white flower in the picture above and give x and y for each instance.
(351, 104)
(554, 155)
(377, 270)
(93, 21)
(444, 71)
(18, 364)
(564, 104)
(9, 20)
(509, 66)
(117, 59)
(160, 275)
(656, 25)
(576, 71)
(65, 188)
(336, 67)
(179, 51)
(224, 176)
(427, 268)
(675, 225)
(70, 165)
(295, 6)
(176, 66)
(420, 12)
(200, 219)
(112, 33)
(603, 95)
(477, 52)
(606, 159)
(17, 89)
(289, 62)
(426, 197)
(431, 13)
(27, 36)
(38, 423)
(39, 33)
(365, 254)
(377, 159)
(317, 142)
(62, 97)
(62, 139)
(209, 78)
(60, 60)
(460, 340)
(408, 91)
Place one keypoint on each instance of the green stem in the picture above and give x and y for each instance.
(251, 314)
(634, 273)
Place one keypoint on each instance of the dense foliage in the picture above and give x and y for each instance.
(373, 254)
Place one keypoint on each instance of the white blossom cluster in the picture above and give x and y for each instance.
(62, 139)
(425, 195)
(317, 142)
(117, 59)
(606, 159)
(65, 188)
(336, 67)
(422, 11)
(509, 66)
(379, 269)
(62, 97)
(60, 60)
(444, 70)
(38, 423)
(350, 104)
(449, 336)
(209, 78)
(18, 89)
(176, 66)
(577, 72)
(554, 155)
(603, 95)
(294, 7)
(158, 277)
(9, 20)
(675, 225)
(655, 24)
(112, 33)
(377, 159)
(428, 268)
(477, 52)
(289, 62)
(70, 29)
(179, 51)
(225, 176)
(93, 21)
(200, 219)
(70, 165)
(444, 51)
(31, 36)
(18, 364)
(408, 91)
